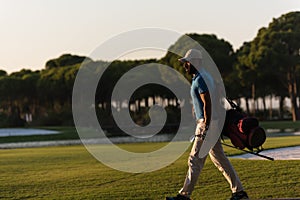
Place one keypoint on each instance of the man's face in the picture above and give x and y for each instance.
(189, 68)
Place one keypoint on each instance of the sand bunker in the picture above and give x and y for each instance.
(287, 153)
(5, 132)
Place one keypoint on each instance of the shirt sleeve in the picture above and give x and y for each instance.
(202, 87)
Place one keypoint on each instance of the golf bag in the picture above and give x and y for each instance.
(242, 130)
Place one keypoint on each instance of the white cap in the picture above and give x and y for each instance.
(190, 55)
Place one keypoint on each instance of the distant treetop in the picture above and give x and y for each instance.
(66, 60)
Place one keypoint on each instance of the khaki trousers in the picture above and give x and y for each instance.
(219, 159)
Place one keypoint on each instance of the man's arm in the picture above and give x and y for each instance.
(205, 97)
(193, 112)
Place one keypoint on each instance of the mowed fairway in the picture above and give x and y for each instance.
(70, 172)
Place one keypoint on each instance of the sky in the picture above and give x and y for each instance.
(34, 31)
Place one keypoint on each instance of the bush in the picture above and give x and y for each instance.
(64, 118)
(13, 120)
(3, 120)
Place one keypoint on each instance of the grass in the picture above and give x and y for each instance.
(72, 173)
(69, 133)
(281, 125)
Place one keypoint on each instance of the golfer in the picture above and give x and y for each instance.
(202, 111)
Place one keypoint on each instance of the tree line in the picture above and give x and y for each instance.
(269, 65)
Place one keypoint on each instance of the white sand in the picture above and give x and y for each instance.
(4, 132)
(287, 153)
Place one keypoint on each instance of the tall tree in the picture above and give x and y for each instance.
(245, 74)
(66, 60)
(275, 50)
(3, 73)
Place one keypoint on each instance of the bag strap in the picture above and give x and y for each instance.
(233, 105)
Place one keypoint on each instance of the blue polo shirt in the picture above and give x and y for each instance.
(198, 86)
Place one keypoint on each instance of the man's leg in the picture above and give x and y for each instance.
(220, 160)
(195, 164)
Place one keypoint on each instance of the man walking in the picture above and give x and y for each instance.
(202, 111)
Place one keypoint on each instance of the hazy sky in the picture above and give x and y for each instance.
(34, 31)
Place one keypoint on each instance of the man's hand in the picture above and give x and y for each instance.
(202, 130)
(203, 127)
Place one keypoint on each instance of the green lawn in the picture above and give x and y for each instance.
(69, 133)
(72, 173)
(281, 125)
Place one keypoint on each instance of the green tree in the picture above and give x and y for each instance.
(245, 74)
(275, 55)
(3, 73)
(66, 60)
(11, 91)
